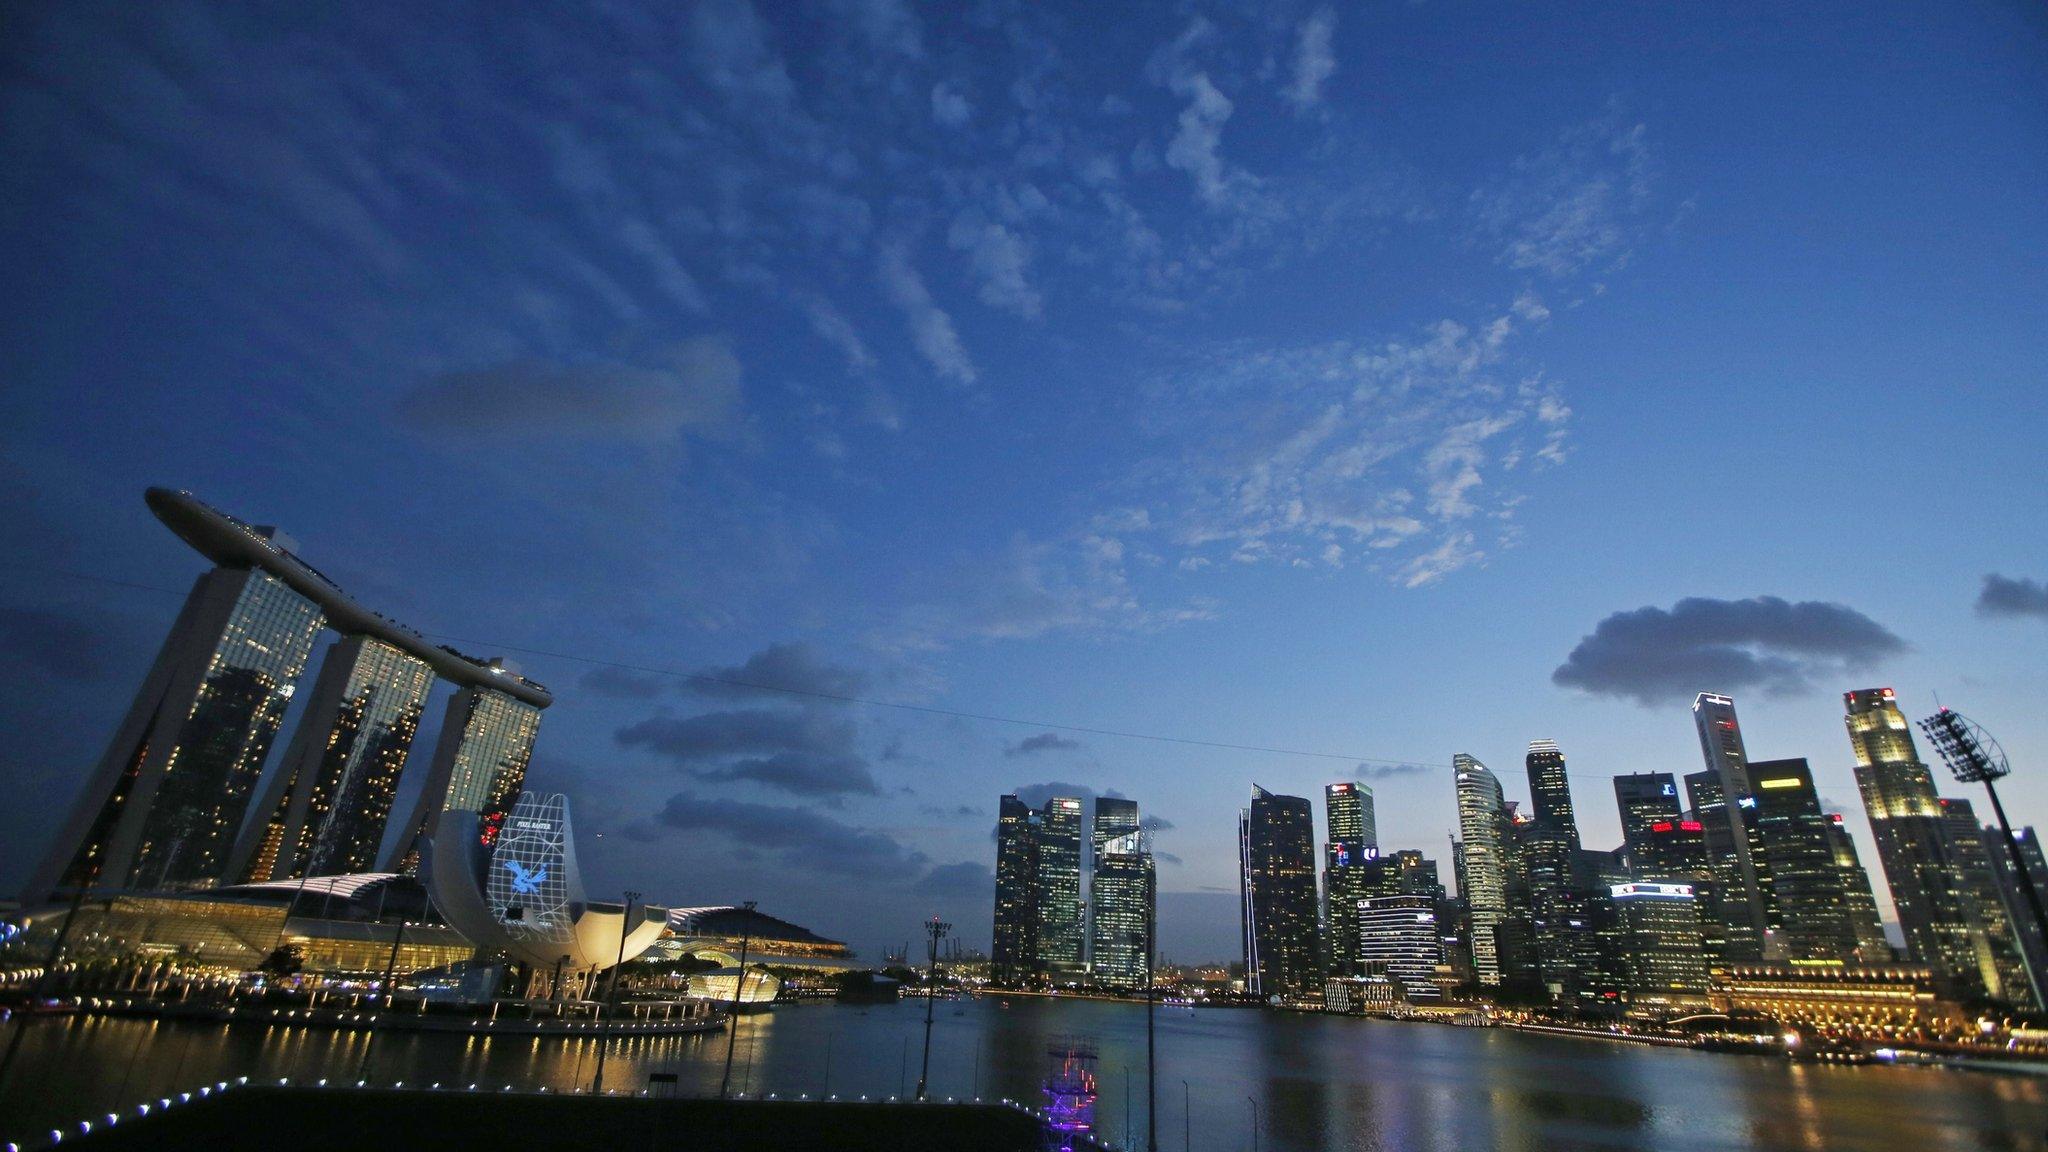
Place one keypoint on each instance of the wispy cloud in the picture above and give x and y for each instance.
(1043, 742)
(1314, 60)
(695, 385)
(931, 329)
(1576, 206)
(2008, 596)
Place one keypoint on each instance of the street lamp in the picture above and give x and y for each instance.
(1975, 758)
(1186, 1126)
(936, 929)
(611, 990)
(1255, 1122)
(738, 986)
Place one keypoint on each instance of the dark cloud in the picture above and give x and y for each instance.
(798, 751)
(624, 683)
(1037, 794)
(1155, 824)
(788, 668)
(1167, 858)
(1652, 655)
(57, 644)
(1043, 742)
(957, 812)
(801, 774)
(696, 384)
(799, 837)
(741, 732)
(1390, 771)
(967, 878)
(2004, 596)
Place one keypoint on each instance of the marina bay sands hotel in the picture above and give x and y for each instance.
(170, 804)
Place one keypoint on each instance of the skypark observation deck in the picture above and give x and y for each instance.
(233, 543)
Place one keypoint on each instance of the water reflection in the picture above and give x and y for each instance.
(1321, 1082)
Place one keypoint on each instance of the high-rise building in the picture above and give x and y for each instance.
(479, 766)
(1013, 958)
(1122, 899)
(1482, 861)
(1399, 938)
(2034, 947)
(1720, 801)
(1644, 798)
(1062, 932)
(1277, 884)
(323, 812)
(1664, 963)
(1353, 843)
(1928, 888)
(165, 807)
(1809, 902)
(1550, 848)
(1991, 928)
(1871, 945)
(1742, 941)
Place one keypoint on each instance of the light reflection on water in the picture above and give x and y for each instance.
(1320, 1082)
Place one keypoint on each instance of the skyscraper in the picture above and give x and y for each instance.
(1551, 847)
(1809, 902)
(1719, 802)
(1644, 798)
(1912, 844)
(1871, 945)
(1122, 899)
(1277, 884)
(1352, 843)
(1014, 954)
(1991, 928)
(1664, 965)
(1062, 933)
(2034, 948)
(1482, 855)
(479, 766)
(166, 804)
(324, 810)
(1398, 937)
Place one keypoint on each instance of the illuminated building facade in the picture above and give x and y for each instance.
(1871, 945)
(1482, 861)
(324, 811)
(166, 806)
(1990, 921)
(1353, 843)
(479, 766)
(1062, 932)
(1014, 956)
(1547, 851)
(2034, 948)
(1881, 1000)
(1122, 900)
(1809, 901)
(1644, 799)
(1399, 938)
(1721, 795)
(1277, 886)
(1662, 959)
(1928, 888)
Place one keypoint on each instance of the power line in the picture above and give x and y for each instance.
(927, 709)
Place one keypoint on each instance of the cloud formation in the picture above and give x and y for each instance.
(1043, 742)
(790, 667)
(801, 751)
(801, 839)
(931, 329)
(1314, 61)
(801, 774)
(2009, 596)
(1574, 207)
(695, 385)
(1651, 655)
(1390, 771)
(624, 683)
(55, 643)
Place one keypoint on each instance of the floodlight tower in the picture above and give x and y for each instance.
(1974, 757)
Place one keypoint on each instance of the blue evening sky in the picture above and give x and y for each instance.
(1310, 376)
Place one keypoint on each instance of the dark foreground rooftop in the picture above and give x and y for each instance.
(385, 1120)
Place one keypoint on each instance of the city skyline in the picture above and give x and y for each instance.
(1219, 375)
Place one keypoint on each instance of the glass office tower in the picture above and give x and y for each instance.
(1122, 899)
(1720, 803)
(1809, 902)
(1014, 956)
(479, 766)
(1482, 861)
(1550, 845)
(1644, 799)
(1988, 916)
(1353, 842)
(1871, 945)
(1398, 937)
(163, 808)
(1912, 845)
(325, 809)
(1062, 933)
(1277, 885)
